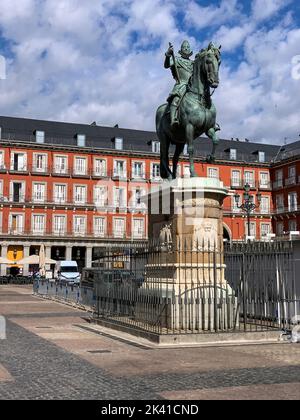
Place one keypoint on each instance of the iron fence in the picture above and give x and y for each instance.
(190, 287)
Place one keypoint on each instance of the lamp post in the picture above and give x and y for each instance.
(248, 206)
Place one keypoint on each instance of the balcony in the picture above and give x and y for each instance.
(285, 210)
(231, 211)
(265, 186)
(277, 185)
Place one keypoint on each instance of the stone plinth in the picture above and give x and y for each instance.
(186, 223)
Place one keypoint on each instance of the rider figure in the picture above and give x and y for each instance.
(182, 70)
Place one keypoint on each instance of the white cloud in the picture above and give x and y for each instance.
(263, 9)
(103, 60)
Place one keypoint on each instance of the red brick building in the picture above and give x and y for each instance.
(76, 188)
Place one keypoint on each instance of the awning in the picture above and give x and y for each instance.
(6, 261)
(35, 260)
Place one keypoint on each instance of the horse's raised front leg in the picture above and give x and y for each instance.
(189, 132)
(212, 134)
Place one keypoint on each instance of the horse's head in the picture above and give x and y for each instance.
(210, 61)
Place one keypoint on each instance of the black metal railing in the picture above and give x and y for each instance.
(196, 287)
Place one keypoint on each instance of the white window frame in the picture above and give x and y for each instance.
(56, 199)
(140, 232)
(80, 170)
(233, 154)
(81, 231)
(215, 170)
(293, 206)
(23, 168)
(138, 176)
(269, 229)
(43, 169)
(23, 190)
(118, 233)
(155, 176)
(60, 231)
(119, 143)
(81, 140)
(238, 182)
(261, 157)
(267, 209)
(117, 201)
(43, 228)
(58, 169)
(253, 226)
(18, 230)
(235, 208)
(247, 179)
(97, 232)
(2, 159)
(103, 171)
(264, 183)
(80, 198)
(102, 200)
(40, 136)
(155, 146)
(279, 228)
(120, 173)
(43, 196)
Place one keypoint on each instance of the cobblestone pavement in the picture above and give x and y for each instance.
(49, 354)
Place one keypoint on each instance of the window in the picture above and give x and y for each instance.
(279, 202)
(138, 228)
(186, 171)
(233, 154)
(292, 179)
(235, 207)
(155, 171)
(249, 178)
(264, 180)
(155, 147)
(292, 200)
(16, 223)
(120, 197)
(292, 171)
(100, 196)
(118, 143)
(261, 157)
(120, 168)
(81, 140)
(80, 194)
(280, 228)
(138, 170)
(252, 229)
(100, 167)
(100, 226)
(213, 173)
(38, 223)
(17, 192)
(136, 201)
(60, 193)
(39, 192)
(2, 166)
(265, 205)
(119, 228)
(265, 229)
(18, 162)
(80, 166)
(59, 225)
(60, 164)
(40, 136)
(79, 225)
(236, 179)
(40, 163)
(293, 226)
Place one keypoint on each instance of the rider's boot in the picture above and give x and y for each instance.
(173, 115)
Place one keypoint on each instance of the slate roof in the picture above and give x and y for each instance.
(101, 138)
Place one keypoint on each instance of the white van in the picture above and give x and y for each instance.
(67, 272)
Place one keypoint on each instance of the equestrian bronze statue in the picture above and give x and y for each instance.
(190, 111)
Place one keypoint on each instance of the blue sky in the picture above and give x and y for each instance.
(102, 60)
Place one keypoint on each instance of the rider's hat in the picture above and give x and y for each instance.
(188, 51)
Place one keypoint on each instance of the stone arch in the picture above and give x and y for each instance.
(227, 232)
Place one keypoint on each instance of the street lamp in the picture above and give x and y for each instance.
(248, 206)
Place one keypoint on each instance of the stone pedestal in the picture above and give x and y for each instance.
(186, 224)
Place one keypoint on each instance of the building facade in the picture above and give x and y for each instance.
(77, 188)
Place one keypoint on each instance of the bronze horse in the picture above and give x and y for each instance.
(197, 114)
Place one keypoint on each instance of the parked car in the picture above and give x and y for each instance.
(67, 272)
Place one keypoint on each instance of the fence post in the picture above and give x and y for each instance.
(244, 291)
(215, 291)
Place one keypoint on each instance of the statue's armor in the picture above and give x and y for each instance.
(185, 70)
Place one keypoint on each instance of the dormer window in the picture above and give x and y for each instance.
(40, 136)
(155, 147)
(233, 154)
(261, 157)
(118, 143)
(81, 140)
